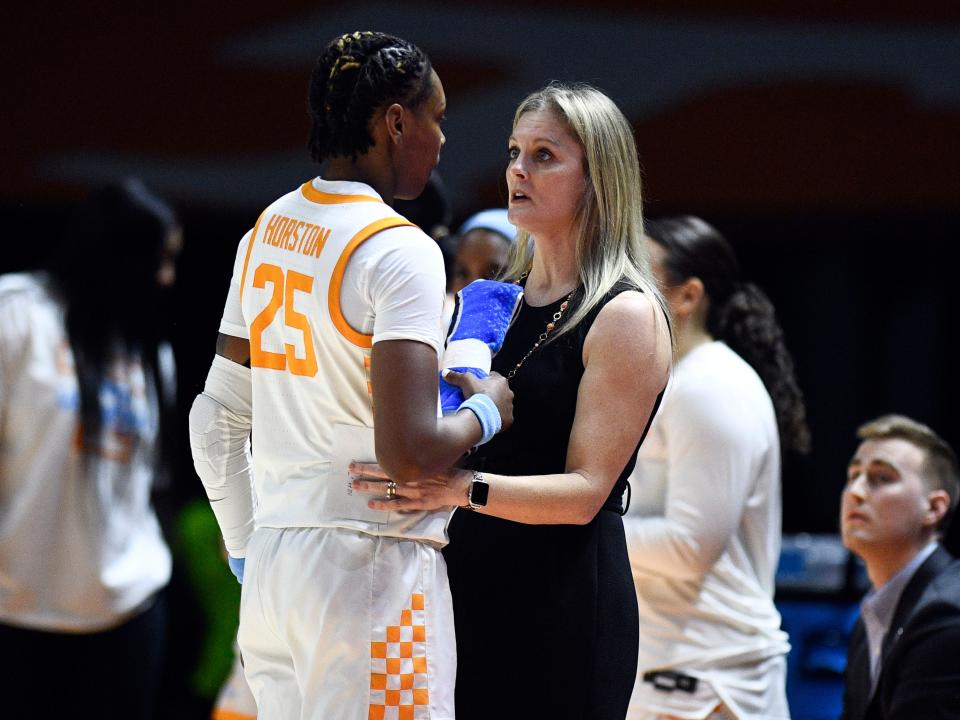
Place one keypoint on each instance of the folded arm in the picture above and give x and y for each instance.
(411, 440)
(711, 469)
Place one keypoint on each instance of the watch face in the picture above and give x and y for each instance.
(478, 493)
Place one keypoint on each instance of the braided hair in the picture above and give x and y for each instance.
(740, 314)
(356, 74)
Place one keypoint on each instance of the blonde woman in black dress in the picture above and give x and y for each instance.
(546, 612)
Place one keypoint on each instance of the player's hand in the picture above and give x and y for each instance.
(236, 567)
(495, 386)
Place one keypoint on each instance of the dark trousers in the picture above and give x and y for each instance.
(105, 675)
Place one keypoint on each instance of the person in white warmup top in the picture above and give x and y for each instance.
(83, 561)
(329, 349)
(703, 526)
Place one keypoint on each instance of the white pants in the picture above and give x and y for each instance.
(753, 691)
(337, 624)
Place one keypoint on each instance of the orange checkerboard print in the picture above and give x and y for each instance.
(398, 667)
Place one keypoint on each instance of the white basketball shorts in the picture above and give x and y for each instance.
(337, 624)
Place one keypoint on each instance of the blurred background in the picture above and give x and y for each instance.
(822, 138)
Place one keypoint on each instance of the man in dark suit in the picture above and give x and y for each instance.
(904, 658)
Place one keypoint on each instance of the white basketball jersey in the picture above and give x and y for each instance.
(310, 367)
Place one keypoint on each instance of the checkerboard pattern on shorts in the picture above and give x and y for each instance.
(398, 667)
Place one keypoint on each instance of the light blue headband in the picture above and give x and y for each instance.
(494, 220)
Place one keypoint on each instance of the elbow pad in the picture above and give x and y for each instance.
(220, 422)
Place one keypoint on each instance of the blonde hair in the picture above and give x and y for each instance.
(611, 245)
(940, 471)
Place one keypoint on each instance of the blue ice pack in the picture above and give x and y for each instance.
(483, 313)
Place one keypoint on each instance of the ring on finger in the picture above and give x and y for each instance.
(391, 490)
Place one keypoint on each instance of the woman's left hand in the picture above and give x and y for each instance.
(443, 490)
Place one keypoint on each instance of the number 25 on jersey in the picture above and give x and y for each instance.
(283, 288)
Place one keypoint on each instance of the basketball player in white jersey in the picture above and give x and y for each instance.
(328, 348)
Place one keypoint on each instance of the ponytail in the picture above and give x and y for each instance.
(740, 314)
(748, 325)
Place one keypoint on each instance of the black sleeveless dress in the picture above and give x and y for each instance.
(546, 615)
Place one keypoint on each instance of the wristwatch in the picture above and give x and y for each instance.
(477, 492)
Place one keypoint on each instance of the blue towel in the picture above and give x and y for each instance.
(482, 315)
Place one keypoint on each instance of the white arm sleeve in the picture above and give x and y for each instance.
(220, 422)
(711, 450)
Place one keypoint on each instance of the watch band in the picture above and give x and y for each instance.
(478, 492)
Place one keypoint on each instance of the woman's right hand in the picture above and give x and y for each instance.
(444, 489)
(494, 386)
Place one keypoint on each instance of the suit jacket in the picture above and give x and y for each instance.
(920, 657)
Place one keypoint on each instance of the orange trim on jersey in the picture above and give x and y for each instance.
(336, 280)
(246, 260)
(314, 195)
(220, 714)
